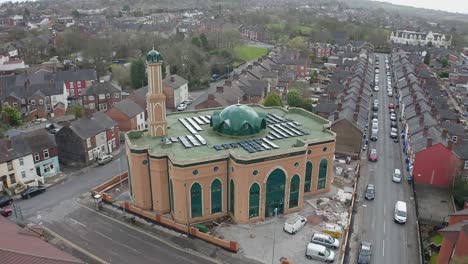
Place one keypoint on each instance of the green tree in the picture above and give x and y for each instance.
(273, 99)
(429, 44)
(196, 41)
(77, 111)
(444, 62)
(324, 59)
(122, 75)
(126, 8)
(26, 12)
(137, 74)
(297, 43)
(13, 115)
(75, 13)
(204, 41)
(443, 75)
(307, 104)
(427, 59)
(294, 98)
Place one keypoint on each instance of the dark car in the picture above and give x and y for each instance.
(393, 124)
(32, 191)
(365, 252)
(375, 115)
(6, 212)
(5, 200)
(370, 192)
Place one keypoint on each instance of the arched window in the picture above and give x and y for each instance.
(231, 203)
(254, 200)
(196, 200)
(294, 191)
(171, 195)
(216, 196)
(322, 177)
(308, 177)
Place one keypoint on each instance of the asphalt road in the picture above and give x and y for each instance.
(392, 242)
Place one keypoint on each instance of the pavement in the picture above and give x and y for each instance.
(373, 221)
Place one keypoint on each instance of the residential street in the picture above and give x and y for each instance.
(374, 221)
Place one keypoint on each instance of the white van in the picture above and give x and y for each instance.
(400, 212)
(319, 252)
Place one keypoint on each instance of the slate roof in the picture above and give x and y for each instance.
(128, 108)
(36, 140)
(78, 75)
(101, 88)
(461, 149)
(454, 129)
(6, 154)
(177, 83)
(325, 107)
(87, 127)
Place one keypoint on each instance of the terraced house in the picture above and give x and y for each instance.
(242, 161)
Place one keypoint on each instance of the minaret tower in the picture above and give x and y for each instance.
(156, 100)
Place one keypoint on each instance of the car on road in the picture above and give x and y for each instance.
(390, 93)
(105, 159)
(325, 240)
(400, 212)
(376, 88)
(375, 115)
(393, 133)
(396, 177)
(294, 223)
(375, 121)
(182, 107)
(391, 106)
(392, 117)
(374, 136)
(365, 252)
(373, 155)
(370, 192)
(6, 212)
(32, 191)
(319, 252)
(187, 102)
(5, 200)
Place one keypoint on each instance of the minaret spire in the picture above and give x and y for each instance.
(156, 100)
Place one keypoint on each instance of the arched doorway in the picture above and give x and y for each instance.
(275, 193)
(308, 177)
(322, 177)
(196, 200)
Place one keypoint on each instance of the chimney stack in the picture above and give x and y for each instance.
(358, 107)
(414, 98)
(429, 142)
(336, 115)
(249, 67)
(417, 110)
(228, 82)
(8, 144)
(450, 144)
(220, 89)
(211, 97)
(355, 116)
(444, 133)
(340, 107)
(172, 78)
(421, 120)
(426, 130)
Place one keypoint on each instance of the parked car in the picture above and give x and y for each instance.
(373, 136)
(32, 191)
(365, 252)
(393, 134)
(391, 106)
(373, 155)
(294, 223)
(375, 115)
(6, 212)
(325, 240)
(187, 102)
(376, 88)
(392, 117)
(393, 124)
(319, 252)
(105, 159)
(396, 177)
(370, 192)
(400, 212)
(181, 107)
(5, 200)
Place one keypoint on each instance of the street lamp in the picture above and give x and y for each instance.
(274, 235)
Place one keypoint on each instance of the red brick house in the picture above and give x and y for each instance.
(128, 115)
(100, 97)
(455, 242)
(176, 90)
(255, 33)
(77, 81)
(458, 78)
(85, 139)
(443, 164)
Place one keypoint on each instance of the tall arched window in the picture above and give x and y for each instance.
(254, 200)
(216, 196)
(171, 195)
(294, 191)
(196, 200)
(322, 177)
(232, 198)
(308, 177)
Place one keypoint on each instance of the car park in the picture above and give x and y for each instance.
(105, 159)
(325, 240)
(294, 223)
(373, 155)
(6, 212)
(370, 192)
(181, 107)
(400, 213)
(396, 176)
(319, 252)
(32, 191)
(5, 200)
(365, 252)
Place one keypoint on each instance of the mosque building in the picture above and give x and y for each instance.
(241, 162)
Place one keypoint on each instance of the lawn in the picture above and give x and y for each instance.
(247, 53)
(303, 30)
(437, 239)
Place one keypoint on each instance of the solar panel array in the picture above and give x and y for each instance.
(251, 145)
(193, 125)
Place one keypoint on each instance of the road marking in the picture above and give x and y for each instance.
(152, 236)
(384, 210)
(383, 248)
(104, 235)
(76, 222)
(384, 227)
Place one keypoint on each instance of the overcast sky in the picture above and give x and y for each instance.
(460, 6)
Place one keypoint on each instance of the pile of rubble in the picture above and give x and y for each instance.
(334, 210)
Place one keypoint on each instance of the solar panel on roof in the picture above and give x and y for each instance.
(285, 130)
(273, 145)
(292, 129)
(174, 139)
(207, 121)
(187, 126)
(201, 139)
(194, 124)
(218, 147)
(185, 142)
(270, 137)
(265, 145)
(193, 140)
(226, 146)
(198, 120)
(278, 131)
(275, 135)
(234, 145)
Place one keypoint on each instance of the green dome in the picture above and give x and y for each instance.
(153, 56)
(238, 120)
